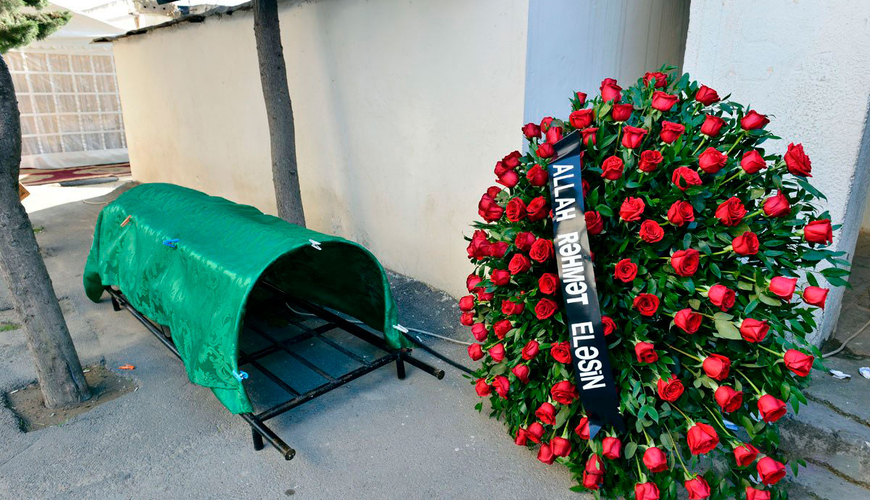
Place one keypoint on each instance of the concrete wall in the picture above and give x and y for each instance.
(808, 65)
(401, 110)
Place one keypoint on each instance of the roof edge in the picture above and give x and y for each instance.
(190, 18)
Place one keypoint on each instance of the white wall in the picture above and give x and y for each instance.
(808, 66)
(401, 109)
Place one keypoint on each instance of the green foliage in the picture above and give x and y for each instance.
(19, 28)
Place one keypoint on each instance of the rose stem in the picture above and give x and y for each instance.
(739, 138)
(677, 451)
(717, 421)
(770, 350)
(748, 380)
(683, 353)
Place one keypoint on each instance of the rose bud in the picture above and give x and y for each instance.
(651, 231)
(671, 131)
(745, 454)
(545, 308)
(661, 79)
(712, 125)
(509, 179)
(466, 303)
(663, 101)
(541, 250)
(752, 162)
(547, 283)
(645, 352)
(770, 471)
(522, 437)
(716, 366)
(535, 432)
(612, 168)
(753, 494)
(588, 134)
(646, 304)
(655, 460)
(819, 231)
(500, 277)
(776, 206)
(649, 161)
(501, 327)
(753, 330)
(512, 159)
(496, 352)
(782, 287)
(722, 296)
(798, 363)
(482, 388)
(594, 224)
(621, 112)
(545, 150)
(706, 96)
(745, 244)
(488, 209)
(698, 488)
(564, 392)
(625, 271)
(646, 491)
(609, 325)
(519, 264)
(770, 408)
(730, 212)
(701, 438)
(610, 91)
(530, 350)
(502, 385)
(581, 98)
(537, 209)
(546, 413)
(685, 262)
(797, 161)
(593, 473)
(475, 352)
(545, 123)
(671, 389)
(684, 177)
(467, 318)
(522, 373)
(472, 282)
(611, 448)
(728, 399)
(531, 131)
(561, 447)
(554, 135)
(561, 352)
(680, 213)
(753, 120)
(631, 209)
(712, 160)
(581, 118)
(688, 320)
(478, 330)
(537, 176)
(632, 136)
(582, 428)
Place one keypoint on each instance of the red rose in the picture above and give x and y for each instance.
(509, 307)
(745, 454)
(770, 408)
(815, 296)
(489, 209)
(777, 206)
(680, 213)
(632, 136)
(688, 320)
(783, 287)
(610, 91)
(519, 264)
(593, 474)
(546, 413)
(472, 282)
(531, 131)
(625, 271)
(754, 330)
(483, 296)
(581, 98)
(530, 350)
(594, 224)
(683, 177)
(646, 304)
(611, 448)
(524, 241)
(722, 296)
(797, 161)
(508, 179)
(501, 327)
(545, 123)
(670, 389)
(535, 432)
(712, 125)
(496, 352)
(561, 352)
(554, 135)
(564, 392)
(671, 131)
(712, 160)
(655, 460)
(502, 385)
(581, 118)
(500, 277)
(547, 283)
(663, 101)
(512, 159)
(475, 352)
(612, 168)
(545, 308)
(646, 491)
(631, 209)
(479, 331)
(645, 352)
(545, 150)
(753, 494)
(649, 161)
(467, 319)
(522, 437)
(730, 212)
(561, 447)
(661, 79)
(752, 162)
(537, 176)
(729, 399)
(621, 112)
(482, 388)
(745, 244)
(541, 250)
(651, 231)
(498, 249)
(716, 366)
(706, 96)
(582, 428)
(770, 471)
(466, 303)
(819, 231)
(685, 262)
(537, 209)
(799, 363)
(522, 373)
(753, 120)
(698, 488)
(588, 134)
(702, 438)
(609, 325)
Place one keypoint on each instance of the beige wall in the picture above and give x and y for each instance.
(401, 109)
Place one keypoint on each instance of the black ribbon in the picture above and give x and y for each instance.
(582, 313)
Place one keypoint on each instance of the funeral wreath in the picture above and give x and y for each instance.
(710, 261)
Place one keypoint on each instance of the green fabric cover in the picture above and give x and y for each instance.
(200, 288)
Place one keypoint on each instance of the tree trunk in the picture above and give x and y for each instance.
(57, 364)
(279, 111)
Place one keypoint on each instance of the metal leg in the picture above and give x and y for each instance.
(258, 440)
(115, 304)
(400, 365)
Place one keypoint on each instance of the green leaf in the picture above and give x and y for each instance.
(563, 415)
(630, 448)
(726, 330)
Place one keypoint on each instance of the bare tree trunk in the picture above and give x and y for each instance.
(57, 364)
(279, 110)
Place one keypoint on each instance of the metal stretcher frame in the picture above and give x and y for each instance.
(259, 430)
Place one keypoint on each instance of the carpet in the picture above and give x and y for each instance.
(39, 176)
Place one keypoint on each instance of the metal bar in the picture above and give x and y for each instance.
(274, 378)
(335, 346)
(260, 428)
(293, 340)
(296, 356)
(438, 355)
(145, 321)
